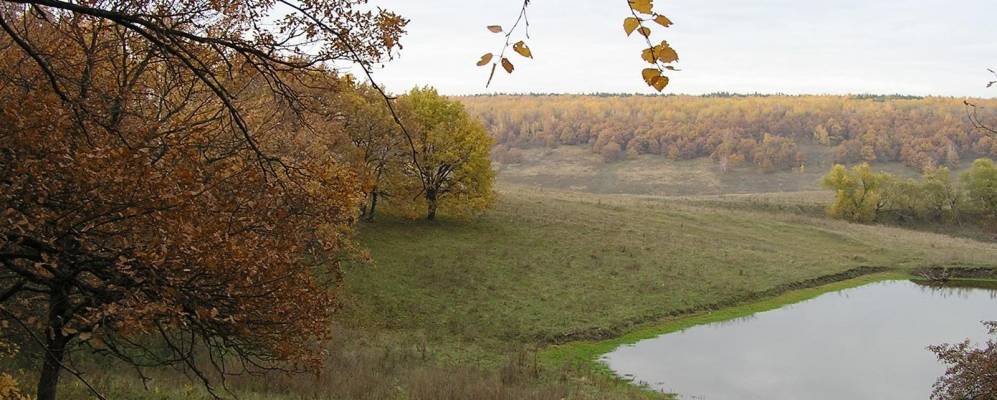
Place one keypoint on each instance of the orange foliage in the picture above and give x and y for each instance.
(143, 218)
(763, 130)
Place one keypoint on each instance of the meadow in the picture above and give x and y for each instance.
(518, 301)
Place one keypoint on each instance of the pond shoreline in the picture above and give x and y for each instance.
(587, 352)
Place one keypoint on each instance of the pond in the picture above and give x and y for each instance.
(866, 342)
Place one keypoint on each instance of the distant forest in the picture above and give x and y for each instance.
(765, 131)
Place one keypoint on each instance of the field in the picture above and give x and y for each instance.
(577, 168)
(481, 308)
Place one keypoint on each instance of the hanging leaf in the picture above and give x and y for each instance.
(648, 55)
(641, 6)
(630, 24)
(650, 73)
(521, 48)
(495, 28)
(665, 53)
(662, 20)
(507, 65)
(659, 82)
(644, 31)
(485, 59)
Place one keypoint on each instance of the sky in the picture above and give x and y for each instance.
(916, 47)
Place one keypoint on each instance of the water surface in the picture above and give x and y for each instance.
(862, 343)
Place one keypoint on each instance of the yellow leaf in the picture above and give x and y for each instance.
(630, 24)
(521, 48)
(650, 73)
(495, 28)
(648, 55)
(641, 6)
(507, 65)
(645, 31)
(659, 82)
(665, 53)
(485, 59)
(662, 20)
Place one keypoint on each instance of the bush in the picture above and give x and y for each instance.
(981, 185)
(858, 194)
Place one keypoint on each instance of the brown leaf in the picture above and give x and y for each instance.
(521, 48)
(507, 65)
(662, 20)
(648, 55)
(644, 31)
(650, 73)
(485, 59)
(630, 24)
(495, 28)
(665, 53)
(659, 82)
(641, 6)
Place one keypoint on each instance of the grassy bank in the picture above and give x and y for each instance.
(589, 351)
(515, 303)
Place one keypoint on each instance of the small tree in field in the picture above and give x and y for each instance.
(971, 372)
(981, 185)
(452, 164)
(857, 192)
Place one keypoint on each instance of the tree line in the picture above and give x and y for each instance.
(764, 131)
(864, 195)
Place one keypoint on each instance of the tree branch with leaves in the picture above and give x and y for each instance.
(660, 55)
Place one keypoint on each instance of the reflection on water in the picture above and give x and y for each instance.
(862, 343)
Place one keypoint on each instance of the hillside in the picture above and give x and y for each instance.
(771, 133)
(547, 266)
(577, 168)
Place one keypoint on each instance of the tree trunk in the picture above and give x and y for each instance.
(431, 199)
(373, 206)
(49, 380)
(55, 346)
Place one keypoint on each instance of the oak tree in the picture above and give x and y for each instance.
(165, 200)
(452, 165)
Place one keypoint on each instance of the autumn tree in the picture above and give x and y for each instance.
(940, 194)
(916, 132)
(857, 190)
(452, 165)
(378, 146)
(981, 185)
(971, 372)
(165, 199)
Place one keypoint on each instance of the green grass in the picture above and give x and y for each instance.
(589, 351)
(544, 267)
(518, 302)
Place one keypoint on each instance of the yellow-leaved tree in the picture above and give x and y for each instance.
(451, 168)
(857, 192)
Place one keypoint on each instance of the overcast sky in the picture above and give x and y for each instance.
(922, 47)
